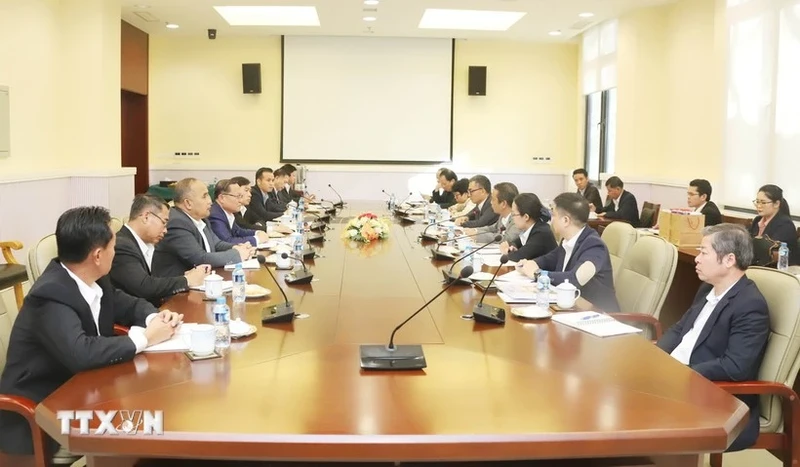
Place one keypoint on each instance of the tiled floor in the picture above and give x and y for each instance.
(754, 458)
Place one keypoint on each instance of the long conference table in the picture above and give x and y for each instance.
(532, 391)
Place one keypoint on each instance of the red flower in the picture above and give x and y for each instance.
(368, 215)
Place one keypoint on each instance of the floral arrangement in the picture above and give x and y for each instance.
(365, 228)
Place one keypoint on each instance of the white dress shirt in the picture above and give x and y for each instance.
(93, 294)
(505, 221)
(147, 248)
(700, 209)
(201, 226)
(683, 352)
(523, 237)
(569, 247)
(616, 202)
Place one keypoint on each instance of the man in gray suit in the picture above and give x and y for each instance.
(479, 190)
(189, 241)
(503, 196)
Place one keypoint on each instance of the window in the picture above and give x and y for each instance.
(762, 129)
(599, 82)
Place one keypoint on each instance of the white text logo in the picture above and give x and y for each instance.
(114, 422)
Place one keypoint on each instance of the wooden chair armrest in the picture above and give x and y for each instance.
(758, 387)
(27, 408)
(120, 330)
(641, 318)
(6, 247)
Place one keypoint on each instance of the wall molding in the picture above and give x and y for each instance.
(67, 173)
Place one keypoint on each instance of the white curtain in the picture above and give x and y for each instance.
(600, 57)
(762, 135)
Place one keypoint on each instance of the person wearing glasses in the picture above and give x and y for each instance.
(133, 258)
(480, 188)
(698, 197)
(534, 237)
(223, 216)
(774, 220)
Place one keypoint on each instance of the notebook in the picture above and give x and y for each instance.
(249, 264)
(594, 323)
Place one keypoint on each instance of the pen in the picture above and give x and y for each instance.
(590, 317)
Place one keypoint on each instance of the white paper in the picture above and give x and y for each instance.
(249, 264)
(514, 276)
(481, 276)
(227, 286)
(594, 323)
(522, 291)
(180, 342)
(508, 300)
(493, 261)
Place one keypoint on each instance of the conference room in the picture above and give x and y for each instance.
(369, 323)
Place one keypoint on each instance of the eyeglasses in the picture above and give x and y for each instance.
(233, 196)
(758, 202)
(474, 190)
(158, 217)
(689, 193)
(515, 214)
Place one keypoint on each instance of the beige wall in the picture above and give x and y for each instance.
(671, 91)
(60, 59)
(197, 104)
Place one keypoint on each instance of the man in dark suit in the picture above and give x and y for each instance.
(291, 181)
(66, 324)
(443, 194)
(582, 258)
(244, 183)
(480, 188)
(283, 191)
(620, 204)
(724, 334)
(586, 188)
(223, 219)
(130, 271)
(189, 241)
(264, 204)
(699, 198)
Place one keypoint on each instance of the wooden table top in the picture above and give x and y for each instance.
(525, 390)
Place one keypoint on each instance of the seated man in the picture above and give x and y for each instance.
(464, 204)
(620, 204)
(503, 196)
(443, 195)
(189, 240)
(291, 173)
(582, 257)
(133, 258)
(264, 204)
(479, 190)
(66, 324)
(281, 184)
(244, 183)
(585, 187)
(699, 197)
(223, 219)
(724, 333)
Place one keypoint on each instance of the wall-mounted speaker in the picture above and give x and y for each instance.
(477, 81)
(251, 78)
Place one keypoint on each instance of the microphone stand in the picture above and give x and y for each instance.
(340, 204)
(438, 254)
(449, 276)
(487, 313)
(400, 357)
(297, 277)
(281, 313)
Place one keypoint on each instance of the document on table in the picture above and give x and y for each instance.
(594, 323)
(493, 261)
(178, 343)
(514, 276)
(227, 286)
(249, 264)
(520, 292)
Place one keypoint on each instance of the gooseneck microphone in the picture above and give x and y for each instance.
(400, 357)
(488, 313)
(438, 254)
(340, 204)
(450, 277)
(298, 277)
(282, 313)
(425, 236)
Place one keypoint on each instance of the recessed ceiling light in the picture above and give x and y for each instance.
(370, 18)
(371, 2)
(269, 15)
(555, 33)
(586, 15)
(476, 20)
(172, 26)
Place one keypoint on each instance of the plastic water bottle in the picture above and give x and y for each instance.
(451, 232)
(431, 214)
(543, 290)
(301, 206)
(477, 262)
(298, 244)
(467, 251)
(783, 257)
(222, 319)
(239, 284)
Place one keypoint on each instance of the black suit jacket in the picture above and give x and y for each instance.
(55, 337)
(445, 200)
(731, 345)
(592, 195)
(483, 217)
(261, 210)
(246, 224)
(589, 247)
(284, 196)
(712, 214)
(780, 229)
(540, 242)
(628, 209)
(182, 248)
(130, 273)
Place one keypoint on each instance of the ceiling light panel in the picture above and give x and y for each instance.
(475, 20)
